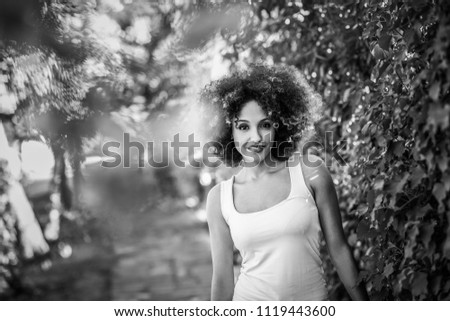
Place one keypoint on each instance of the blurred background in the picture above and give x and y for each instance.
(77, 74)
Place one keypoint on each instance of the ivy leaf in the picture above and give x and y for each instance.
(446, 179)
(413, 231)
(363, 229)
(378, 185)
(362, 209)
(398, 148)
(419, 284)
(436, 284)
(378, 52)
(385, 41)
(346, 95)
(416, 176)
(434, 91)
(410, 36)
(378, 282)
(438, 116)
(409, 249)
(426, 231)
(365, 128)
(370, 198)
(439, 192)
(379, 200)
(431, 162)
(384, 68)
(396, 186)
(442, 161)
(388, 270)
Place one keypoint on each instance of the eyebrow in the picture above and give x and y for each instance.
(246, 121)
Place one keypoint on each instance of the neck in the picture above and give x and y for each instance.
(254, 171)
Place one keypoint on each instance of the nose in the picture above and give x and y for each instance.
(255, 135)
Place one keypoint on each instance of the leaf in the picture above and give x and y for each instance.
(438, 115)
(397, 185)
(412, 231)
(370, 198)
(378, 200)
(434, 91)
(383, 68)
(378, 184)
(409, 249)
(423, 211)
(388, 269)
(362, 229)
(426, 231)
(442, 161)
(362, 209)
(446, 179)
(365, 128)
(398, 148)
(409, 36)
(346, 95)
(416, 176)
(436, 284)
(439, 192)
(431, 161)
(378, 52)
(378, 282)
(385, 41)
(419, 284)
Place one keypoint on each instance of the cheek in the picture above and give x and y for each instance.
(270, 135)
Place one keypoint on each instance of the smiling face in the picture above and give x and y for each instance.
(253, 133)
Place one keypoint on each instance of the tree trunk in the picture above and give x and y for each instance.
(31, 236)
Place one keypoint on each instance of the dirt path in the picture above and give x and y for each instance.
(158, 252)
(163, 254)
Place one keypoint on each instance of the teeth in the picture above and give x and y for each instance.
(256, 148)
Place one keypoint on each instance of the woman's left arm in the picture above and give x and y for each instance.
(330, 219)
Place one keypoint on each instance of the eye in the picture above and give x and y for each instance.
(266, 125)
(242, 127)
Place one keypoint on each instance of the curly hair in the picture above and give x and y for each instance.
(282, 92)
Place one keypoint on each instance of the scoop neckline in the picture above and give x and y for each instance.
(266, 209)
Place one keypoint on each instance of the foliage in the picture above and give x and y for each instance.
(64, 64)
(8, 238)
(383, 70)
(51, 66)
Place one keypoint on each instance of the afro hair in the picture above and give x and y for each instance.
(284, 95)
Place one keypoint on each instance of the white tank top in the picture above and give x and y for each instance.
(279, 245)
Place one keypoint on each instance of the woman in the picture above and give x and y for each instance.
(273, 210)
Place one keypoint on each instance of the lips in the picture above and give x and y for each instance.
(258, 148)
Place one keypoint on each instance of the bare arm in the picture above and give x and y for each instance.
(331, 223)
(222, 285)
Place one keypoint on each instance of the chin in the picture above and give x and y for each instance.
(255, 158)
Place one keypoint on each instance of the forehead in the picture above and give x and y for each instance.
(252, 111)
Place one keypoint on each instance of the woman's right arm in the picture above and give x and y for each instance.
(222, 285)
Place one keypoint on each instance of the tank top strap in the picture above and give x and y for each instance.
(298, 184)
(225, 198)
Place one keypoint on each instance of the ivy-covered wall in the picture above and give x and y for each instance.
(383, 70)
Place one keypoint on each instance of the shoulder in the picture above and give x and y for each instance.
(316, 174)
(214, 193)
(213, 209)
